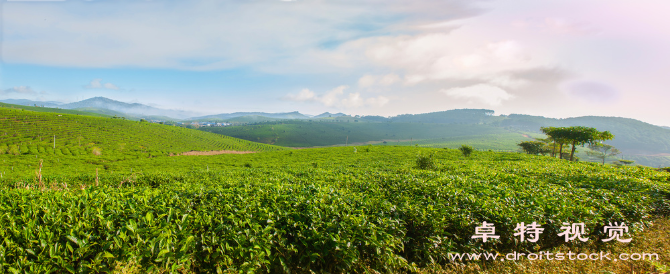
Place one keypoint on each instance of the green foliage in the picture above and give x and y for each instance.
(626, 162)
(357, 212)
(534, 147)
(602, 151)
(466, 150)
(13, 150)
(28, 130)
(575, 136)
(425, 161)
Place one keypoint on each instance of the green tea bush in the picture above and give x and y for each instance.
(359, 212)
(466, 150)
(425, 161)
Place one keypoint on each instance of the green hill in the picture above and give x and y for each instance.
(645, 143)
(53, 110)
(321, 133)
(32, 132)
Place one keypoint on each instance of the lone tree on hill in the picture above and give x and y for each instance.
(575, 136)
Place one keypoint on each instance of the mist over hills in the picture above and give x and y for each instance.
(328, 114)
(108, 106)
(102, 105)
(223, 116)
(134, 108)
(26, 102)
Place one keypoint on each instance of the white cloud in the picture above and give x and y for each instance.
(353, 100)
(367, 81)
(219, 35)
(110, 86)
(488, 94)
(97, 84)
(378, 101)
(337, 98)
(331, 97)
(382, 80)
(389, 79)
(304, 95)
(19, 90)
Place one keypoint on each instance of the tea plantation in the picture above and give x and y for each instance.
(342, 209)
(44, 133)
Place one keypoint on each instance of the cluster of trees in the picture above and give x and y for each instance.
(558, 137)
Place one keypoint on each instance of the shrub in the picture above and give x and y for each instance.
(533, 147)
(14, 150)
(626, 162)
(466, 150)
(425, 161)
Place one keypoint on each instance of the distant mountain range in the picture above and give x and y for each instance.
(223, 116)
(627, 130)
(108, 106)
(26, 102)
(633, 137)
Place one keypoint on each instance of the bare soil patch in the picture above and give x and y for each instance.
(213, 152)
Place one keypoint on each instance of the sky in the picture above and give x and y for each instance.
(554, 58)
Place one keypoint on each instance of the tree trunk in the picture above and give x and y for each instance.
(572, 153)
(560, 151)
(553, 149)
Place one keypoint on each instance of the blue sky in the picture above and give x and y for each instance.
(371, 57)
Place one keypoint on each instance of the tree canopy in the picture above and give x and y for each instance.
(575, 136)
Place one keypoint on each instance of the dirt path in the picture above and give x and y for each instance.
(214, 152)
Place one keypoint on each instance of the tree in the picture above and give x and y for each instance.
(585, 135)
(601, 151)
(466, 150)
(558, 136)
(533, 147)
(575, 136)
